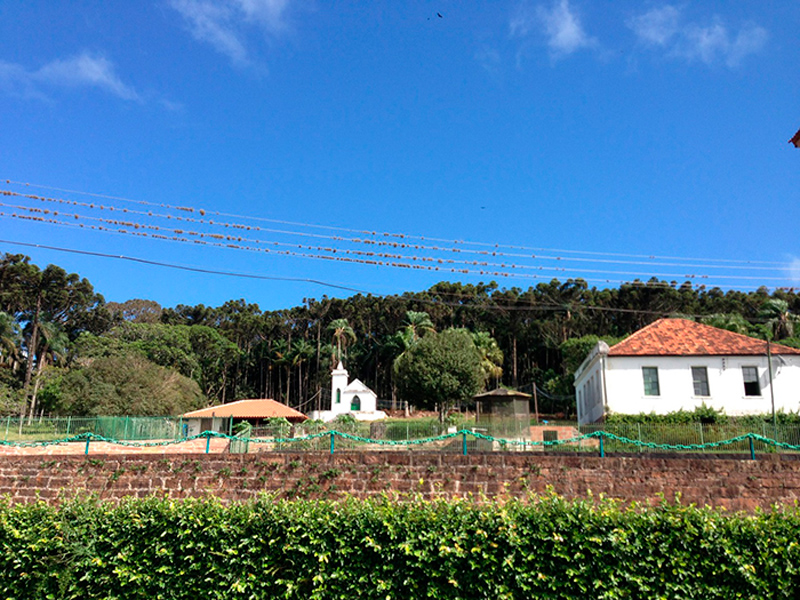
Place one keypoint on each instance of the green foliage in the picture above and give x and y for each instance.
(200, 353)
(701, 414)
(236, 350)
(706, 415)
(546, 548)
(11, 401)
(122, 385)
(439, 370)
(345, 420)
(575, 350)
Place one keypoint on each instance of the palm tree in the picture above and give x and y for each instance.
(53, 344)
(728, 321)
(302, 350)
(342, 332)
(491, 355)
(780, 321)
(282, 357)
(418, 324)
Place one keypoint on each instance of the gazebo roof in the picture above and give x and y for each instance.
(261, 408)
(501, 394)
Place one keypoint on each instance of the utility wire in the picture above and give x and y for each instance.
(372, 242)
(437, 266)
(391, 257)
(382, 234)
(542, 307)
(382, 254)
(156, 263)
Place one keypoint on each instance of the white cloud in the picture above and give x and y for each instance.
(559, 24)
(269, 13)
(710, 44)
(224, 24)
(794, 270)
(563, 29)
(83, 70)
(656, 26)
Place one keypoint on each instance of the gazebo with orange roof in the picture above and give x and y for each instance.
(223, 417)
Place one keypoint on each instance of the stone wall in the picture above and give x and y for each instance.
(737, 484)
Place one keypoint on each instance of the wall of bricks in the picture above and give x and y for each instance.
(736, 484)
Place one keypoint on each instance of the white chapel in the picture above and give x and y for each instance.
(353, 398)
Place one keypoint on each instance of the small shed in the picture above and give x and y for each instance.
(504, 414)
(223, 417)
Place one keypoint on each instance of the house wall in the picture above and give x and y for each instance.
(369, 401)
(339, 405)
(625, 384)
(590, 386)
(195, 426)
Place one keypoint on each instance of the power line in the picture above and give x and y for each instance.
(384, 243)
(358, 259)
(485, 268)
(376, 254)
(486, 307)
(373, 233)
(156, 263)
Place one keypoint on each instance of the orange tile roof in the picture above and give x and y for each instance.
(679, 337)
(248, 409)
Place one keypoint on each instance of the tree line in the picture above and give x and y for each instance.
(65, 350)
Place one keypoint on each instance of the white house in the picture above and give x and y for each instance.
(352, 398)
(675, 364)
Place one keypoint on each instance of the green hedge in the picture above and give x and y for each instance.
(545, 548)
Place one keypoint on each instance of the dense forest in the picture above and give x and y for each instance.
(65, 350)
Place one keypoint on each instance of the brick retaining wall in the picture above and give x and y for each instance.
(732, 483)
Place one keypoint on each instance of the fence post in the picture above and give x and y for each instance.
(208, 440)
(464, 442)
(639, 435)
(88, 437)
(752, 449)
(8, 424)
(333, 442)
(702, 437)
(602, 450)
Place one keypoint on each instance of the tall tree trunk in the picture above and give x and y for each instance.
(288, 383)
(36, 383)
(300, 384)
(514, 382)
(33, 343)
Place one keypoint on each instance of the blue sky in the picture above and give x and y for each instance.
(578, 130)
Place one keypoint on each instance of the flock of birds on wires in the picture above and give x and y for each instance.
(185, 224)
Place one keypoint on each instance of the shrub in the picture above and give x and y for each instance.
(544, 548)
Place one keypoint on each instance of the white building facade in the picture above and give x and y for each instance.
(353, 398)
(674, 364)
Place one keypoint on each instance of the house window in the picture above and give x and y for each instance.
(700, 381)
(355, 404)
(751, 385)
(650, 376)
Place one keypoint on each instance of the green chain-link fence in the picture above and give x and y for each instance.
(462, 441)
(15, 429)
